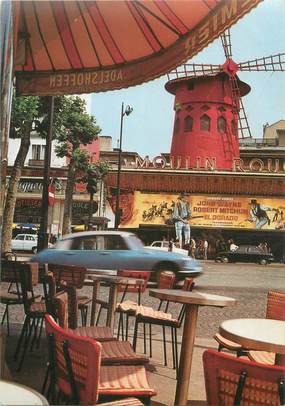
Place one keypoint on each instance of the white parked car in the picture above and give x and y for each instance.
(163, 245)
(25, 242)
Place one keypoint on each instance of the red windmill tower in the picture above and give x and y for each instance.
(209, 112)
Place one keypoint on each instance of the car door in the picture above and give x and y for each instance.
(18, 242)
(96, 252)
(240, 255)
(254, 254)
(84, 251)
(29, 242)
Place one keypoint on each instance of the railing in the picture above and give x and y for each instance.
(258, 143)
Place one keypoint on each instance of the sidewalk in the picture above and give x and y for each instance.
(161, 378)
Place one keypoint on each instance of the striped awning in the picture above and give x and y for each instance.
(71, 47)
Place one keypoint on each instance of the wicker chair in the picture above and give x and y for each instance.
(113, 351)
(147, 315)
(34, 310)
(235, 381)
(73, 276)
(13, 295)
(128, 307)
(275, 310)
(77, 373)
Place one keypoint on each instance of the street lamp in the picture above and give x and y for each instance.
(127, 111)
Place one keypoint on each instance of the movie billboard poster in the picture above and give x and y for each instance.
(258, 213)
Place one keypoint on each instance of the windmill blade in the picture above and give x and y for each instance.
(239, 111)
(227, 44)
(268, 63)
(194, 70)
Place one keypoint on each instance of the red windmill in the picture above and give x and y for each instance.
(209, 112)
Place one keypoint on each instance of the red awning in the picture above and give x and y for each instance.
(68, 47)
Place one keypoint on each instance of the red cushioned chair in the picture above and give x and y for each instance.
(275, 310)
(77, 373)
(235, 381)
(147, 315)
(72, 276)
(128, 307)
(113, 350)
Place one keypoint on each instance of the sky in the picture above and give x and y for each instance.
(148, 130)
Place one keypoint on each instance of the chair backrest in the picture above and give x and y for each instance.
(75, 363)
(166, 280)
(70, 274)
(29, 278)
(188, 284)
(133, 288)
(275, 305)
(61, 309)
(231, 381)
(9, 271)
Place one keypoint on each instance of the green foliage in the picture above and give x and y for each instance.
(25, 111)
(97, 170)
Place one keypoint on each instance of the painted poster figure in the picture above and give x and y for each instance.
(181, 215)
(258, 214)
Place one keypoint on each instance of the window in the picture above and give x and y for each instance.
(88, 243)
(205, 107)
(38, 152)
(30, 238)
(177, 125)
(20, 237)
(114, 242)
(205, 123)
(221, 125)
(188, 124)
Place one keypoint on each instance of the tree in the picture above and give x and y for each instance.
(25, 110)
(72, 127)
(95, 172)
(77, 128)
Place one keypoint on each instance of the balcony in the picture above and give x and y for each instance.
(36, 162)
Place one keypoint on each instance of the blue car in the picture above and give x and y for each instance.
(113, 250)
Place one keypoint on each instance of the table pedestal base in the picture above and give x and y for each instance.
(187, 347)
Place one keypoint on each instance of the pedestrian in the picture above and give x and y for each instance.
(181, 215)
(205, 249)
(52, 239)
(233, 246)
(170, 245)
(192, 248)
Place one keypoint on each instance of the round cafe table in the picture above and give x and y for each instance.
(13, 393)
(192, 301)
(257, 334)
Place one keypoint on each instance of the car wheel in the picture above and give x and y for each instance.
(263, 262)
(34, 250)
(225, 260)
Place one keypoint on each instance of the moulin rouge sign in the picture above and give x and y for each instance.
(207, 164)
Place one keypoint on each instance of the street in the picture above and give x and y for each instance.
(248, 283)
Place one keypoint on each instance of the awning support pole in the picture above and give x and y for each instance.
(43, 234)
